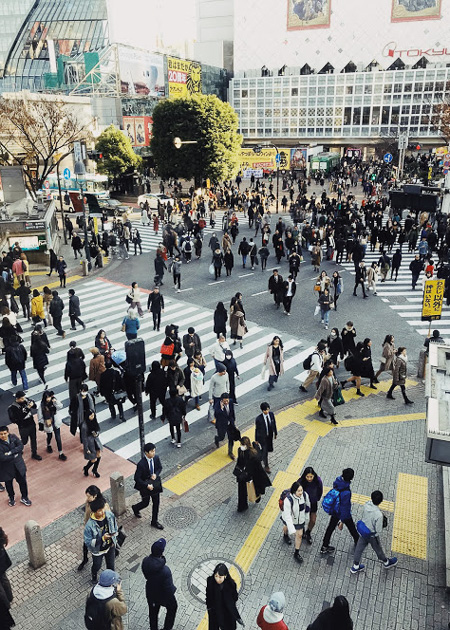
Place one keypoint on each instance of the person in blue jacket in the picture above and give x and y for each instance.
(343, 514)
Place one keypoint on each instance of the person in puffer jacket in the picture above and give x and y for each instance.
(343, 515)
(270, 617)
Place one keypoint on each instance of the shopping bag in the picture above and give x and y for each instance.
(338, 398)
(316, 310)
(211, 414)
(251, 494)
(185, 426)
(211, 269)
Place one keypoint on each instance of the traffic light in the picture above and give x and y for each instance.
(418, 147)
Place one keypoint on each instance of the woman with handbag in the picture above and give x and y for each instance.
(134, 298)
(6, 596)
(249, 469)
(275, 360)
(103, 344)
(324, 393)
(237, 324)
(387, 355)
(295, 507)
(50, 421)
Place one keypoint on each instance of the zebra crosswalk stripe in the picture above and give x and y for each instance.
(103, 306)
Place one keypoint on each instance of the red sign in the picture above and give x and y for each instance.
(47, 184)
(390, 50)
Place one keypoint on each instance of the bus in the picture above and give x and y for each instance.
(92, 183)
(325, 162)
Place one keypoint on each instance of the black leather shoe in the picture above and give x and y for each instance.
(157, 525)
(135, 512)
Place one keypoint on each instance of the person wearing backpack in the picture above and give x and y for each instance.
(369, 528)
(314, 364)
(294, 504)
(105, 604)
(338, 504)
(15, 358)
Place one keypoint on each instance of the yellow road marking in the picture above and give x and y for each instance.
(409, 532)
(360, 422)
(55, 285)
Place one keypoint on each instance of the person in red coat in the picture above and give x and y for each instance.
(271, 616)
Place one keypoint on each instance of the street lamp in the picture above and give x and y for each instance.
(178, 143)
(80, 172)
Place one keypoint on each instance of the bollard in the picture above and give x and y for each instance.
(84, 267)
(118, 493)
(422, 364)
(35, 544)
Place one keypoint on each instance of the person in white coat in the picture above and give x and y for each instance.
(51, 422)
(295, 507)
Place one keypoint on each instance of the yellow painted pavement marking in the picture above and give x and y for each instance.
(55, 285)
(360, 422)
(409, 532)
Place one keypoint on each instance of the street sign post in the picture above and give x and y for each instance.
(388, 158)
(67, 174)
(278, 159)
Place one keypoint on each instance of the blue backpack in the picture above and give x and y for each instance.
(331, 501)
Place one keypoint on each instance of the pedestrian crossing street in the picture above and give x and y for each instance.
(411, 310)
(103, 305)
(151, 239)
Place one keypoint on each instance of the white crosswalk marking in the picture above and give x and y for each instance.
(108, 299)
(151, 239)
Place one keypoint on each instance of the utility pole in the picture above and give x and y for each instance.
(446, 198)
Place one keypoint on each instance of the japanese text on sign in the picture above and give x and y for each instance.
(433, 298)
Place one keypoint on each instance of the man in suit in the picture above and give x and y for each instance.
(265, 432)
(276, 287)
(225, 422)
(148, 481)
(12, 466)
(289, 289)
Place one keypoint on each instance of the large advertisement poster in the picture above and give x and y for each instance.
(408, 10)
(308, 14)
(138, 129)
(184, 77)
(264, 160)
(141, 72)
(299, 158)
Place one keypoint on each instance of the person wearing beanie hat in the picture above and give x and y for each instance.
(270, 617)
(219, 384)
(159, 587)
(105, 604)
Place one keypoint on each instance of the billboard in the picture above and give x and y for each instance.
(409, 10)
(138, 129)
(265, 159)
(184, 77)
(299, 158)
(308, 14)
(141, 72)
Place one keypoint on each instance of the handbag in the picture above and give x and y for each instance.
(317, 287)
(251, 494)
(338, 398)
(119, 396)
(185, 426)
(240, 474)
(256, 260)
(128, 299)
(211, 414)
(364, 531)
(167, 349)
(234, 433)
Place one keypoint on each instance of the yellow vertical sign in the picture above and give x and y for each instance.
(184, 77)
(433, 299)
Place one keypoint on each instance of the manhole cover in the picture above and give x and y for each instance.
(179, 517)
(199, 574)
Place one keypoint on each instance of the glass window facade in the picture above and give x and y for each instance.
(66, 28)
(357, 105)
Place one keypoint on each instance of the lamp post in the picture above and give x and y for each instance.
(80, 172)
(178, 143)
(270, 144)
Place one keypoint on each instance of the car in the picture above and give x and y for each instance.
(113, 207)
(153, 199)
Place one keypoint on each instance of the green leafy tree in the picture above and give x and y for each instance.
(211, 124)
(117, 152)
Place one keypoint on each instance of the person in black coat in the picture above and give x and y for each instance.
(276, 287)
(156, 387)
(265, 432)
(335, 346)
(155, 304)
(160, 266)
(220, 320)
(111, 382)
(147, 480)
(74, 310)
(230, 363)
(6, 595)
(249, 468)
(225, 422)
(175, 412)
(337, 617)
(39, 350)
(221, 598)
(348, 335)
(159, 587)
(12, 465)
